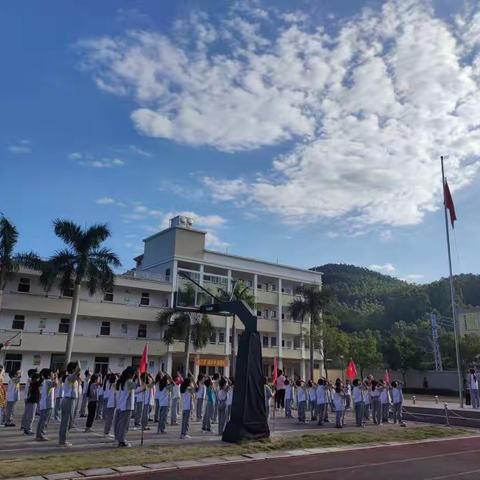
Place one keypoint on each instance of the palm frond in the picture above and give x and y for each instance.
(71, 233)
(29, 260)
(96, 234)
(107, 256)
(8, 237)
(201, 332)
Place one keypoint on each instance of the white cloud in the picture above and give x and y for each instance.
(369, 108)
(20, 147)
(386, 268)
(105, 201)
(181, 190)
(88, 160)
(385, 235)
(139, 151)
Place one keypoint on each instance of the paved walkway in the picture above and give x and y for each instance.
(429, 460)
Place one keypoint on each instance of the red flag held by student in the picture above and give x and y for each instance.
(144, 360)
(351, 372)
(275, 372)
(448, 202)
(386, 377)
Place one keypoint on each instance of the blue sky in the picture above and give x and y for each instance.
(306, 135)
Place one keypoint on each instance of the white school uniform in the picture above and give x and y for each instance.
(47, 395)
(230, 396)
(149, 397)
(288, 392)
(357, 395)
(164, 397)
(59, 390)
(339, 402)
(397, 395)
(201, 391)
(13, 390)
(126, 396)
(175, 391)
(320, 393)
(301, 395)
(186, 401)
(312, 395)
(384, 396)
(110, 393)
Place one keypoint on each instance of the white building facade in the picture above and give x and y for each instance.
(113, 327)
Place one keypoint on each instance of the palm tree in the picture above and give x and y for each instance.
(10, 262)
(241, 291)
(311, 304)
(192, 328)
(83, 260)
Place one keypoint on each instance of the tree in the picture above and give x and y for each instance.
(84, 259)
(10, 262)
(241, 291)
(469, 350)
(364, 350)
(189, 327)
(405, 348)
(311, 305)
(336, 344)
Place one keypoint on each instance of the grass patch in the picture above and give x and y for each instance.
(54, 463)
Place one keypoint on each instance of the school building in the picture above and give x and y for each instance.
(113, 327)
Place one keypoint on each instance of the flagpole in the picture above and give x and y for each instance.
(452, 293)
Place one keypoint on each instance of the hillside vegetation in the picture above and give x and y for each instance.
(364, 299)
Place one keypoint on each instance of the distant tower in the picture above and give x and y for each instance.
(436, 347)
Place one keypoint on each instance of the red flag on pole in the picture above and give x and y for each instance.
(386, 377)
(144, 360)
(275, 371)
(351, 371)
(448, 202)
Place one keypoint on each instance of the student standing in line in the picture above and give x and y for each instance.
(301, 400)
(149, 399)
(210, 396)
(30, 373)
(99, 412)
(348, 394)
(385, 401)
(339, 403)
(93, 399)
(164, 391)
(397, 398)
(84, 399)
(175, 400)
(312, 399)
(288, 399)
(109, 411)
(321, 401)
(139, 401)
(126, 387)
(13, 395)
(58, 397)
(215, 380)
(31, 403)
(187, 392)
(367, 399)
(358, 402)
(71, 382)
(222, 403)
(268, 395)
(231, 383)
(158, 377)
(376, 405)
(474, 392)
(3, 395)
(200, 396)
(47, 402)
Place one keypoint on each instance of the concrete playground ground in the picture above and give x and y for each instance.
(162, 453)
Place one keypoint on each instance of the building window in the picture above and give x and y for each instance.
(101, 365)
(64, 325)
(13, 362)
(273, 341)
(142, 331)
(213, 337)
(167, 274)
(105, 328)
(296, 342)
(221, 337)
(18, 322)
(283, 343)
(259, 313)
(24, 285)
(57, 361)
(274, 287)
(274, 314)
(124, 328)
(108, 295)
(289, 344)
(68, 291)
(42, 323)
(265, 341)
(145, 300)
(259, 286)
(283, 316)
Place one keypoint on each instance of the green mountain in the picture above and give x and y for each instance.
(364, 299)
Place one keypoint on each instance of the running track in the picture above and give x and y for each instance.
(437, 460)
